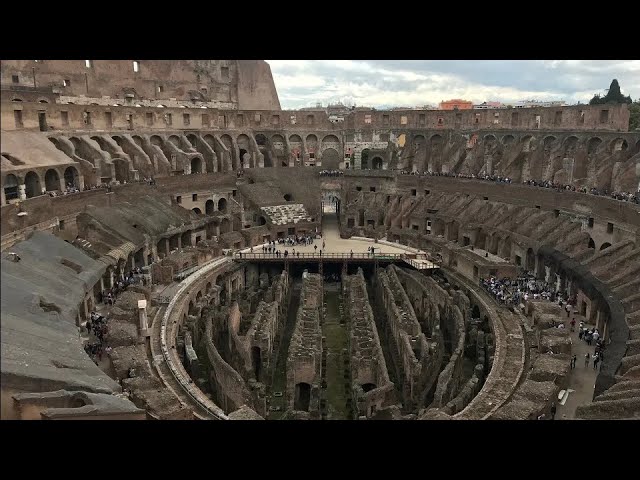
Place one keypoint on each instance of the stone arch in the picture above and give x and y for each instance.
(222, 205)
(185, 238)
(302, 396)
(618, 145)
(605, 245)
(193, 139)
(591, 243)
(331, 159)
(52, 180)
(593, 144)
(526, 143)
(225, 226)
(277, 139)
(548, 140)
(196, 165)
(312, 138)
(209, 207)
(207, 289)
(197, 210)
(330, 139)
(295, 138)
(262, 220)
(121, 168)
(531, 259)
(364, 159)
(175, 140)
(261, 140)
(487, 138)
(508, 140)
(71, 177)
(227, 141)
(570, 144)
(10, 187)
(156, 140)
(288, 197)
(32, 185)
(376, 163)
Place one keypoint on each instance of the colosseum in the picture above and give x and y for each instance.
(177, 246)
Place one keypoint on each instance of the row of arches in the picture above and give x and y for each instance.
(33, 182)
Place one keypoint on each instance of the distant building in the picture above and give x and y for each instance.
(485, 105)
(456, 103)
(536, 103)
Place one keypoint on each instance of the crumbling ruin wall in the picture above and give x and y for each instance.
(229, 386)
(410, 341)
(304, 361)
(368, 365)
(238, 346)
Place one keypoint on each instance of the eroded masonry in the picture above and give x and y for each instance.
(176, 246)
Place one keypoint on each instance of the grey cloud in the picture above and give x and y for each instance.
(483, 80)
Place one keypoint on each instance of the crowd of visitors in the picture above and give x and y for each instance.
(516, 291)
(98, 326)
(622, 196)
(331, 173)
(109, 296)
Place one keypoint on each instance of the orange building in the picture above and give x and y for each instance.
(456, 103)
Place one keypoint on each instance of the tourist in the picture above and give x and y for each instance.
(574, 359)
(553, 411)
(596, 360)
(586, 359)
(573, 324)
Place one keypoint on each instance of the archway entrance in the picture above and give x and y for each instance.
(376, 163)
(196, 165)
(330, 159)
(10, 187)
(302, 397)
(51, 180)
(222, 205)
(71, 177)
(32, 185)
(122, 170)
(209, 207)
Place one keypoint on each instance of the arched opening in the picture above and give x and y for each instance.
(364, 159)
(288, 197)
(605, 245)
(330, 159)
(198, 297)
(51, 180)
(225, 226)
(261, 140)
(244, 157)
(330, 139)
(197, 210)
(196, 165)
(193, 140)
(121, 168)
(261, 220)
(222, 205)
(71, 177)
(10, 187)
(223, 289)
(32, 185)
(175, 140)
(508, 140)
(592, 145)
(185, 238)
(256, 358)
(209, 207)
(367, 387)
(376, 163)
(475, 312)
(531, 260)
(302, 397)
(591, 243)
(207, 289)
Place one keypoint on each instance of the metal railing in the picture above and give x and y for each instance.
(319, 256)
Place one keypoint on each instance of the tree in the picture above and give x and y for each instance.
(614, 95)
(634, 115)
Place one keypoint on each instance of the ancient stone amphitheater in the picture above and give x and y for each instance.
(271, 264)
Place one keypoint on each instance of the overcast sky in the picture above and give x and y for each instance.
(396, 83)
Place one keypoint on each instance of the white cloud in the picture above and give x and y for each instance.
(411, 83)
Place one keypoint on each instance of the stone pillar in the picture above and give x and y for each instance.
(111, 277)
(80, 182)
(167, 248)
(179, 242)
(3, 200)
(63, 187)
(101, 284)
(142, 315)
(145, 254)
(133, 261)
(22, 194)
